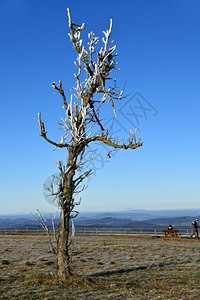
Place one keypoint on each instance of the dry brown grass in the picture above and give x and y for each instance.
(104, 267)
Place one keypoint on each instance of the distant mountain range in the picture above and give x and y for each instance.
(130, 218)
(179, 222)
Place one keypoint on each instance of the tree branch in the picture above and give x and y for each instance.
(61, 91)
(43, 133)
(110, 142)
(74, 36)
(43, 223)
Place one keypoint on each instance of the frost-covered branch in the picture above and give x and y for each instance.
(72, 234)
(77, 42)
(97, 72)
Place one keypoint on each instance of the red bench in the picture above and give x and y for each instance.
(171, 232)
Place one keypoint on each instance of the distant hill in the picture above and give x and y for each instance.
(142, 214)
(103, 222)
(179, 222)
(128, 219)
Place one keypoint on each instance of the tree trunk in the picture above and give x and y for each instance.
(63, 257)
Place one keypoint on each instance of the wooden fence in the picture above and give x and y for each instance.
(97, 231)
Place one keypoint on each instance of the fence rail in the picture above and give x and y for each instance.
(97, 231)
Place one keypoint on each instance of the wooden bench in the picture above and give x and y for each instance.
(172, 232)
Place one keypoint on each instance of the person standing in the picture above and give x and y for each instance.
(195, 228)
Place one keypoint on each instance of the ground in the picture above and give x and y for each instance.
(104, 267)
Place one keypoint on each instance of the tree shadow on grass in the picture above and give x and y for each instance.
(128, 270)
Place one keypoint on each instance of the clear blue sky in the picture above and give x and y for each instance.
(159, 46)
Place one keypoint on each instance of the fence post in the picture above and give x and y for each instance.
(155, 231)
(96, 231)
(141, 231)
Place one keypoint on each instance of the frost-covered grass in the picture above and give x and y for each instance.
(105, 267)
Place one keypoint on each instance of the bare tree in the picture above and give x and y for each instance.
(82, 125)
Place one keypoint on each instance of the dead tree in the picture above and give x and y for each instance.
(82, 126)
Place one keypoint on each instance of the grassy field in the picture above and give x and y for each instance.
(104, 267)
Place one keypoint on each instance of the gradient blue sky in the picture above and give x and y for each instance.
(159, 47)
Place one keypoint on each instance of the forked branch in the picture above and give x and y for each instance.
(43, 133)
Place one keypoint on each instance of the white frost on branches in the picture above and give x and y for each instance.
(93, 87)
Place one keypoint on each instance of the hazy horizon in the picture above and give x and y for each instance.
(197, 210)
